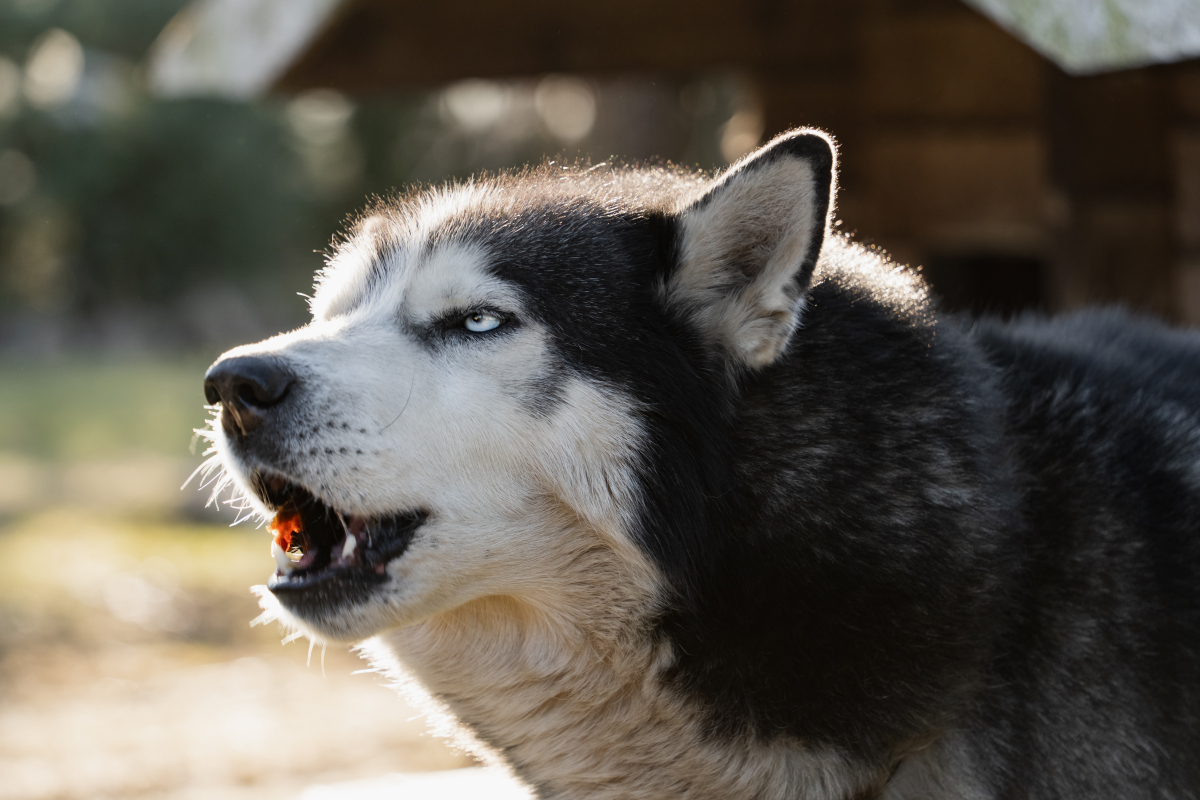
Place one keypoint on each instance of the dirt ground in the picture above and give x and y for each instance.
(128, 669)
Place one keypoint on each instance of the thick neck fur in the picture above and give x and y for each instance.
(742, 681)
(567, 689)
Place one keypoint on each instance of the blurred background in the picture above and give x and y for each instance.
(171, 173)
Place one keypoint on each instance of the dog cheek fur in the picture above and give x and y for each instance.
(563, 672)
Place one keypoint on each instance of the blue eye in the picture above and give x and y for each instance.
(482, 322)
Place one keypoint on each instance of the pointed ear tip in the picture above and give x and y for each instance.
(809, 144)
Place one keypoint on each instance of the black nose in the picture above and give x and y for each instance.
(246, 386)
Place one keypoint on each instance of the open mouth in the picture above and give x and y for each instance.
(315, 544)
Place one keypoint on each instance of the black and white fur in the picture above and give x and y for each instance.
(721, 506)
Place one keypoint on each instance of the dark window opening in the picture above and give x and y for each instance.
(987, 283)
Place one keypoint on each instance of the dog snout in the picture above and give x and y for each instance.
(246, 387)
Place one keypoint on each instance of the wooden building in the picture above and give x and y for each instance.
(1012, 183)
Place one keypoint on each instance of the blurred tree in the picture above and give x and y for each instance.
(123, 27)
(170, 196)
(109, 198)
(202, 214)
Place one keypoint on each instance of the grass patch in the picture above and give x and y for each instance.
(72, 409)
(49, 551)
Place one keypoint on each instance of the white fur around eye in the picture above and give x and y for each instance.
(482, 322)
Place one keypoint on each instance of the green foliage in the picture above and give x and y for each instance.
(175, 194)
(139, 201)
(125, 27)
(128, 203)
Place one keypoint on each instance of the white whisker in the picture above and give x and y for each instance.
(204, 467)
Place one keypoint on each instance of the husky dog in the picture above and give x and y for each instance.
(665, 490)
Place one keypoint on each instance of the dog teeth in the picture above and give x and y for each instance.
(350, 545)
(281, 558)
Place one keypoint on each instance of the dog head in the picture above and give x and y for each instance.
(494, 367)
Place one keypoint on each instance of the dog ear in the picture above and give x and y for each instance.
(748, 246)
